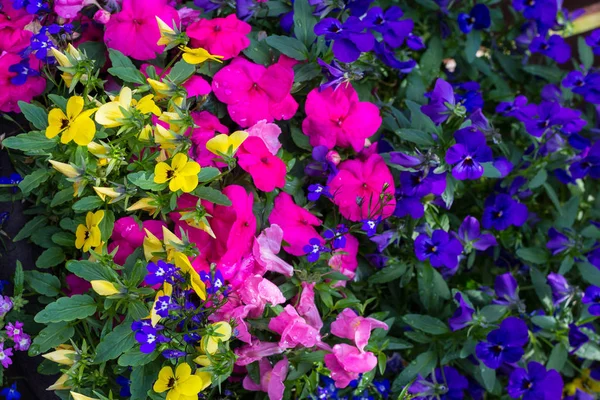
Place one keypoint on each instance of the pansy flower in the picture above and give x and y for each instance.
(463, 315)
(470, 232)
(349, 38)
(592, 297)
(478, 18)
(555, 47)
(501, 211)
(468, 153)
(505, 344)
(535, 383)
(441, 249)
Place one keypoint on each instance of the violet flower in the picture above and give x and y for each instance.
(555, 47)
(592, 297)
(349, 40)
(535, 383)
(468, 153)
(505, 344)
(441, 102)
(463, 315)
(469, 232)
(478, 18)
(441, 249)
(558, 242)
(561, 290)
(501, 211)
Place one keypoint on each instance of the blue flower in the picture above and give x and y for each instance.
(576, 337)
(470, 232)
(441, 102)
(593, 40)
(393, 31)
(163, 305)
(316, 190)
(148, 337)
(23, 71)
(160, 272)
(468, 153)
(561, 290)
(338, 236)
(554, 47)
(463, 315)
(449, 385)
(592, 297)
(349, 40)
(383, 387)
(11, 392)
(172, 353)
(535, 383)
(501, 211)
(369, 226)
(507, 291)
(542, 11)
(587, 86)
(213, 282)
(125, 386)
(505, 344)
(314, 249)
(441, 249)
(478, 18)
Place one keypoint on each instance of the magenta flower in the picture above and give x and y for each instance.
(5, 355)
(267, 170)
(269, 133)
(69, 8)
(225, 37)
(347, 362)
(258, 292)
(266, 247)
(253, 92)
(206, 126)
(349, 325)
(13, 35)
(256, 351)
(294, 329)
(271, 378)
(14, 331)
(338, 118)
(6, 305)
(307, 307)
(134, 31)
(23, 342)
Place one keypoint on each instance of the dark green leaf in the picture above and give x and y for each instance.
(388, 274)
(51, 336)
(551, 74)
(432, 59)
(539, 179)
(142, 379)
(88, 203)
(304, 22)
(306, 72)
(212, 195)
(19, 278)
(134, 357)
(128, 75)
(208, 173)
(89, 270)
(472, 45)
(589, 273)
(423, 364)
(42, 283)
(568, 213)
(541, 287)
(426, 324)
(30, 227)
(43, 236)
(300, 139)
(119, 59)
(34, 114)
(180, 72)
(493, 312)
(145, 181)
(488, 376)
(534, 255)
(32, 141)
(66, 239)
(113, 345)
(432, 288)
(558, 357)
(490, 171)
(545, 322)
(33, 180)
(67, 309)
(50, 258)
(586, 55)
(289, 46)
(62, 197)
(415, 136)
(420, 121)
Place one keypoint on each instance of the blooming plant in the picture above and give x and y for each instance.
(308, 199)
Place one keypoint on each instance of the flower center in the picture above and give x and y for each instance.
(172, 382)
(497, 349)
(64, 123)
(170, 174)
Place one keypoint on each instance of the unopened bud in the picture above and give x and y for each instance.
(333, 157)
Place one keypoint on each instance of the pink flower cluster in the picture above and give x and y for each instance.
(14, 332)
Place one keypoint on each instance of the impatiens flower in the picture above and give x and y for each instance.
(347, 362)
(478, 18)
(338, 118)
(294, 329)
(267, 170)
(5, 356)
(345, 259)
(535, 383)
(364, 189)
(110, 115)
(134, 31)
(463, 315)
(505, 344)
(297, 223)
(441, 249)
(181, 174)
(501, 211)
(223, 36)
(271, 378)
(349, 325)
(447, 384)
(592, 297)
(253, 92)
(68, 8)
(349, 40)
(469, 232)
(104, 288)
(266, 247)
(561, 290)
(441, 101)
(468, 153)
(75, 125)
(198, 56)
(555, 47)
(180, 384)
(269, 133)
(88, 235)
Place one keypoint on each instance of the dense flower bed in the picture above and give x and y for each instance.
(318, 199)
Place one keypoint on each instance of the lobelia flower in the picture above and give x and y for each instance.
(393, 31)
(501, 211)
(535, 383)
(181, 174)
(345, 260)
(561, 290)
(5, 356)
(314, 249)
(267, 170)
(369, 226)
(555, 47)
(468, 153)
(266, 247)
(159, 273)
(17, 89)
(253, 92)
(469, 232)
(364, 189)
(463, 315)
(338, 236)
(271, 378)
(148, 338)
(213, 282)
(593, 40)
(441, 249)
(349, 38)
(224, 36)
(478, 18)
(585, 85)
(11, 392)
(447, 385)
(134, 31)
(349, 325)
(294, 329)
(338, 118)
(592, 297)
(505, 344)
(347, 362)
(441, 102)
(181, 383)
(316, 190)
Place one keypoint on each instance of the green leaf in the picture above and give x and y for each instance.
(488, 376)
(19, 278)
(62, 197)
(137, 310)
(113, 345)
(180, 72)
(552, 195)
(558, 357)
(107, 224)
(432, 59)
(51, 336)
(304, 22)
(423, 364)
(34, 114)
(388, 274)
(432, 288)
(43, 236)
(589, 351)
(134, 357)
(88, 203)
(145, 181)
(50, 258)
(128, 75)
(32, 141)
(208, 173)
(60, 101)
(42, 283)
(119, 59)
(30, 227)
(490, 171)
(472, 46)
(589, 273)
(541, 287)
(212, 195)
(493, 312)
(420, 121)
(67, 309)
(300, 139)
(551, 74)
(545, 322)
(258, 51)
(142, 379)
(568, 213)
(426, 324)
(415, 136)
(94, 51)
(88, 270)
(289, 46)
(306, 72)
(66, 239)
(33, 180)
(586, 55)
(539, 179)
(534, 255)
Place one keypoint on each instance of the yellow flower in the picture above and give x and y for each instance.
(115, 194)
(66, 169)
(88, 235)
(226, 144)
(179, 384)
(199, 223)
(65, 355)
(218, 332)
(100, 152)
(64, 61)
(146, 204)
(167, 290)
(167, 33)
(152, 245)
(60, 383)
(76, 125)
(181, 174)
(183, 263)
(111, 115)
(166, 138)
(145, 133)
(198, 56)
(104, 288)
(79, 396)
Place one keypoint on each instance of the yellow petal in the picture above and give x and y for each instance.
(80, 236)
(190, 386)
(161, 172)
(151, 245)
(206, 378)
(202, 360)
(146, 105)
(183, 371)
(189, 183)
(104, 288)
(68, 170)
(108, 115)
(179, 161)
(175, 184)
(60, 383)
(84, 129)
(146, 204)
(79, 396)
(191, 168)
(61, 58)
(162, 383)
(125, 97)
(55, 121)
(62, 356)
(97, 217)
(218, 145)
(224, 329)
(237, 138)
(103, 192)
(74, 107)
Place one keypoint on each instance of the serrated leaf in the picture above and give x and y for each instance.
(42, 283)
(32, 141)
(113, 345)
(51, 336)
(67, 309)
(212, 195)
(33, 180)
(34, 114)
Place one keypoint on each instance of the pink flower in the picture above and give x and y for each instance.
(11, 94)
(23, 342)
(76, 285)
(14, 331)
(5, 355)
(271, 378)
(296, 222)
(338, 118)
(220, 36)
(307, 307)
(188, 15)
(349, 325)
(134, 31)
(206, 127)
(254, 93)
(195, 85)
(128, 235)
(267, 171)
(347, 362)
(13, 35)
(363, 181)
(69, 8)
(6, 305)
(256, 351)
(344, 260)
(266, 247)
(102, 17)
(269, 133)
(293, 329)
(258, 291)
(233, 309)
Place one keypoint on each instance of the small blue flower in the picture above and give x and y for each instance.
(171, 353)
(23, 71)
(125, 386)
(160, 272)
(11, 392)
(214, 282)
(370, 226)
(314, 249)
(383, 387)
(317, 190)
(148, 338)
(338, 236)
(478, 18)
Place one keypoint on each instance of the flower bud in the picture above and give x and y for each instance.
(102, 17)
(333, 157)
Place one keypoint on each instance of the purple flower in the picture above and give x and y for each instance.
(463, 315)
(576, 337)
(478, 18)
(468, 153)
(369, 226)
(148, 338)
(171, 353)
(441, 249)
(163, 305)
(592, 297)
(505, 344)
(5, 355)
(315, 191)
(6, 305)
(314, 249)
(357, 7)
(517, 108)
(558, 242)
(588, 165)
(384, 239)
(349, 40)
(160, 272)
(441, 102)
(580, 395)
(593, 40)
(507, 290)
(469, 96)
(337, 74)
(501, 211)
(415, 42)
(138, 325)
(406, 161)
(23, 342)
(449, 385)
(587, 86)
(554, 47)
(209, 5)
(561, 290)
(383, 387)
(393, 31)
(470, 232)
(388, 56)
(421, 183)
(535, 383)
(503, 166)
(14, 331)
(213, 282)
(542, 11)
(23, 71)
(338, 236)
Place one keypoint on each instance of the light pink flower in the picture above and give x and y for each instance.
(258, 291)
(134, 31)
(271, 378)
(269, 133)
(267, 171)
(338, 118)
(76, 285)
(234, 309)
(363, 181)
(253, 92)
(347, 362)
(13, 35)
(349, 325)
(69, 8)
(293, 329)
(256, 351)
(207, 125)
(307, 307)
(220, 36)
(266, 247)
(296, 222)
(345, 260)
(11, 94)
